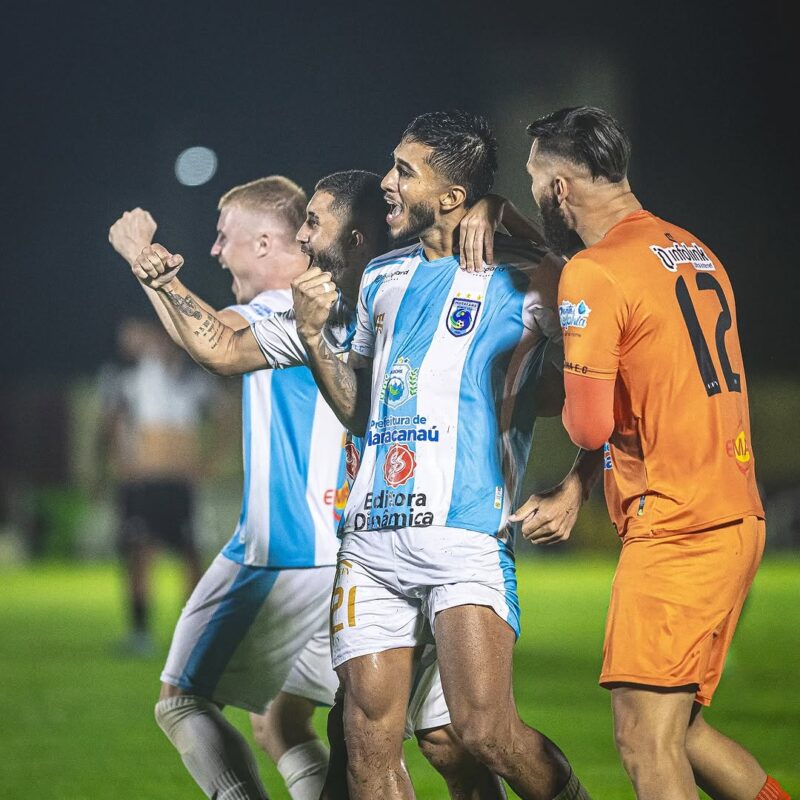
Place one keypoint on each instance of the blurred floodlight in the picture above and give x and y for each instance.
(195, 166)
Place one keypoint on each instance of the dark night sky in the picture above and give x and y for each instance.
(99, 104)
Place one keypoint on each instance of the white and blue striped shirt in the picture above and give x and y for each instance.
(455, 360)
(294, 480)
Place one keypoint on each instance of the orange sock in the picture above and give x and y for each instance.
(772, 790)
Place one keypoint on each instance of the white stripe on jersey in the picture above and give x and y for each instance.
(437, 460)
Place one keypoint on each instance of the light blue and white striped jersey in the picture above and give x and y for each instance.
(294, 483)
(455, 359)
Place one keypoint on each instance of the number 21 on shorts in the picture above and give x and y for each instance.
(339, 615)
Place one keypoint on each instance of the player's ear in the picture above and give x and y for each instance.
(355, 240)
(263, 245)
(454, 197)
(560, 189)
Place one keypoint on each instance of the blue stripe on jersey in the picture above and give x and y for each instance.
(479, 446)
(415, 326)
(292, 539)
(236, 547)
(510, 585)
(226, 629)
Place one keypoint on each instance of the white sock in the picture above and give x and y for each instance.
(303, 768)
(215, 753)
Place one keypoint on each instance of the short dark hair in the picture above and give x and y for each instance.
(586, 136)
(358, 198)
(464, 148)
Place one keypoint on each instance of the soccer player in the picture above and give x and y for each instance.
(653, 367)
(440, 380)
(149, 440)
(343, 229)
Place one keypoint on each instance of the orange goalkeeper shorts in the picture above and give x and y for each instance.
(675, 602)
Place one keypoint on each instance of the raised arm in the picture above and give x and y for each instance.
(129, 235)
(345, 385)
(220, 341)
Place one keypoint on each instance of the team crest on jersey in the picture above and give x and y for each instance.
(462, 315)
(399, 465)
(574, 315)
(399, 383)
(352, 460)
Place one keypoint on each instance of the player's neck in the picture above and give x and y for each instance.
(602, 213)
(440, 239)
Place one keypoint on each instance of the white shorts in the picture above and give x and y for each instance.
(427, 708)
(391, 584)
(247, 633)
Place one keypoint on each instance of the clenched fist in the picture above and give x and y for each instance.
(131, 233)
(314, 294)
(155, 266)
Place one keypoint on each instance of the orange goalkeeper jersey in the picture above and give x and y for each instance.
(651, 307)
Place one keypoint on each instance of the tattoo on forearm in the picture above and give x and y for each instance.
(211, 330)
(345, 377)
(185, 305)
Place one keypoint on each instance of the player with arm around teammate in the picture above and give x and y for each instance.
(440, 382)
(343, 228)
(653, 366)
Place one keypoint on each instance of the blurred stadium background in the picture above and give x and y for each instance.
(101, 105)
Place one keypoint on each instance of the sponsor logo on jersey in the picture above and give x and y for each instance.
(498, 496)
(737, 449)
(574, 315)
(399, 383)
(607, 457)
(379, 318)
(399, 465)
(352, 460)
(403, 435)
(681, 253)
(387, 510)
(338, 499)
(462, 315)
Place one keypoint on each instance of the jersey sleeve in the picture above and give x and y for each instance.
(364, 337)
(592, 311)
(542, 297)
(253, 311)
(277, 338)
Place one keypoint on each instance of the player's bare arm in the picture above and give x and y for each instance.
(476, 231)
(344, 385)
(548, 517)
(221, 342)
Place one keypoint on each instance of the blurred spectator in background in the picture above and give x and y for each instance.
(148, 444)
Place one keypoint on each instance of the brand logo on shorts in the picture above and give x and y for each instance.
(462, 315)
(399, 465)
(607, 464)
(399, 383)
(573, 315)
(352, 460)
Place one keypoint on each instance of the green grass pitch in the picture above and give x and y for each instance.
(77, 721)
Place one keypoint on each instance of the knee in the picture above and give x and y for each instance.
(484, 736)
(643, 746)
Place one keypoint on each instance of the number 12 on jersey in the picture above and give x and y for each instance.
(708, 372)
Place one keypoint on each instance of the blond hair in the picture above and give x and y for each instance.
(275, 194)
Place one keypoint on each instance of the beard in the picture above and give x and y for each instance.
(332, 260)
(558, 235)
(420, 217)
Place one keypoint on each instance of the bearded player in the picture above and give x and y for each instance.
(653, 367)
